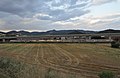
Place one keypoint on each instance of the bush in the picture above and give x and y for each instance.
(50, 74)
(106, 74)
(115, 44)
(10, 66)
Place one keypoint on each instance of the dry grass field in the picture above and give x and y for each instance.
(63, 60)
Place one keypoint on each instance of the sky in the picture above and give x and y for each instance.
(43, 15)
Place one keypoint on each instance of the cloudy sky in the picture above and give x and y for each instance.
(45, 15)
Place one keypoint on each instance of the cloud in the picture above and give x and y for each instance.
(109, 21)
(29, 8)
(62, 15)
(42, 16)
(50, 14)
(84, 22)
(53, 8)
(19, 7)
(2, 22)
(99, 2)
(91, 22)
(105, 19)
(78, 5)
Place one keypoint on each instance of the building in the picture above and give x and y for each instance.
(64, 38)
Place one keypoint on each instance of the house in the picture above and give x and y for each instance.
(63, 38)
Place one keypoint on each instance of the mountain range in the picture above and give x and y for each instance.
(58, 32)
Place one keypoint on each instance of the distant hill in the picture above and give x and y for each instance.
(76, 32)
(109, 31)
(2, 32)
(56, 32)
(50, 32)
(61, 32)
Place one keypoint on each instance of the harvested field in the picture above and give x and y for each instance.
(63, 60)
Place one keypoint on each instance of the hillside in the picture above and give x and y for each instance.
(55, 32)
(110, 31)
(50, 32)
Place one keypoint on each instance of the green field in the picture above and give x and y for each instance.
(58, 60)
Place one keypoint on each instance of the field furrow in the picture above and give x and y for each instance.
(65, 58)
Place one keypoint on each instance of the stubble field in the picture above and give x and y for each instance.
(63, 60)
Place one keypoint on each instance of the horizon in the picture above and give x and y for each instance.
(53, 29)
(45, 15)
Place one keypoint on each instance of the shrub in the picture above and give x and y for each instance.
(10, 66)
(106, 74)
(115, 44)
(50, 74)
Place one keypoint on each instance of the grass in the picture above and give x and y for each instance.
(3, 76)
(64, 60)
(106, 74)
(10, 67)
